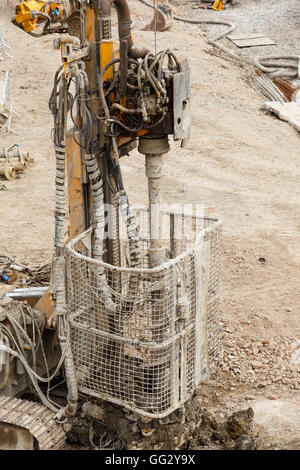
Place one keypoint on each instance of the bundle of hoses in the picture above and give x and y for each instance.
(94, 173)
(267, 64)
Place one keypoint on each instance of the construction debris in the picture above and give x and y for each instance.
(263, 363)
(189, 427)
(27, 293)
(13, 160)
(276, 89)
(266, 87)
(7, 171)
(285, 87)
(19, 274)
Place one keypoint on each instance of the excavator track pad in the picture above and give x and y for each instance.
(26, 425)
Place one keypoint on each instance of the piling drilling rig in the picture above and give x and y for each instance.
(108, 96)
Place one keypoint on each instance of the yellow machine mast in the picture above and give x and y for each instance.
(116, 95)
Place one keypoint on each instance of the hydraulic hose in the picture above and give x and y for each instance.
(4, 380)
(43, 398)
(273, 70)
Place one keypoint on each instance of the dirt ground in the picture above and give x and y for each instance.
(240, 163)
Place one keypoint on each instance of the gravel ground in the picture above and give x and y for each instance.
(277, 19)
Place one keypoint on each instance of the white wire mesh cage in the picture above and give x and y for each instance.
(145, 338)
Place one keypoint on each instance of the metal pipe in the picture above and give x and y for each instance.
(105, 7)
(66, 39)
(4, 380)
(124, 25)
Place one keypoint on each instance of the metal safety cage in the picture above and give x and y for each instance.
(145, 338)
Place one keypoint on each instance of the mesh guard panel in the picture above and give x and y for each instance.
(134, 332)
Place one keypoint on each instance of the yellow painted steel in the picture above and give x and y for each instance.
(26, 19)
(218, 5)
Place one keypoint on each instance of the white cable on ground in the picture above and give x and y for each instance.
(277, 70)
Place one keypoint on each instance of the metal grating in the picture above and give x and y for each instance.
(144, 338)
